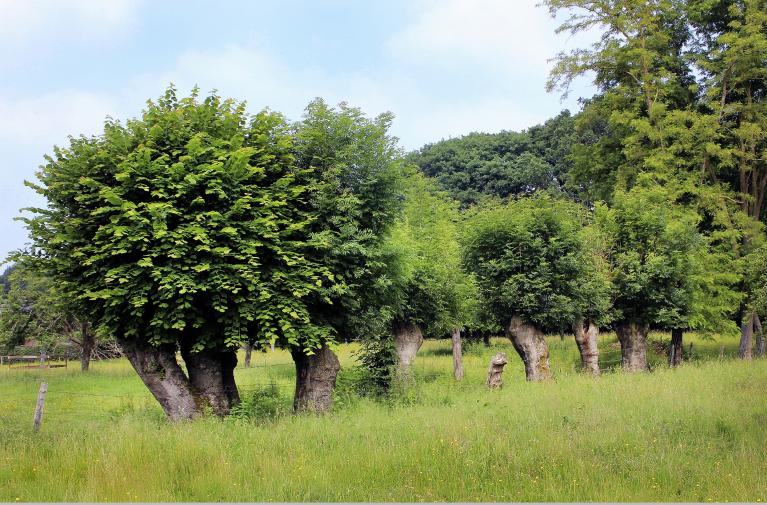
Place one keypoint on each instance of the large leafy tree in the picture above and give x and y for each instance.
(502, 164)
(653, 247)
(198, 228)
(183, 230)
(531, 267)
(354, 199)
(681, 97)
(435, 295)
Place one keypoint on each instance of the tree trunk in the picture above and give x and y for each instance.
(315, 379)
(760, 341)
(675, 348)
(407, 340)
(486, 338)
(633, 339)
(248, 354)
(495, 372)
(586, 334)
(211, 374)
(746, 338)
(162, 375)
(87, 342)
(529, 343)
(457, 354)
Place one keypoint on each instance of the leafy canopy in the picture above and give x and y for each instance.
(436, 293)
(190, 222)
(530, 260)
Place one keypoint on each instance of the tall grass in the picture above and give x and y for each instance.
(697, 433)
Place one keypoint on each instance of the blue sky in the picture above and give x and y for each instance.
(443, 67)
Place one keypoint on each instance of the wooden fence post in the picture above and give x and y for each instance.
(39, 407)
(457, 354)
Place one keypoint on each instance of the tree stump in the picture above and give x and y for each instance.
(495, 372)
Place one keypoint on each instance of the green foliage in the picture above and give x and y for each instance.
(756, 280)
(653, 246)
(436, 294)
(262, 404)
(530, 260)
(32, 311)
(354, 199)
(502, 164)
(199, 222)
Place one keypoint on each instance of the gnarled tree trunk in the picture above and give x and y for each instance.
(586, 334)
(315, 379)
(407, 340)
(88, 341)
(495, 371)
(675, 348)
(760, 342)
(633, 339)
(746, 337)
(211, 374)
(457, 354)
(162, 375)
(529, 343)
(248, 353)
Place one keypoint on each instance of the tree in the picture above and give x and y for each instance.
(653, 241)
(354, 199)
(530, 265)
(34, 311)
(595, 309)
(479, 165)
(183, 230)
(436, 296)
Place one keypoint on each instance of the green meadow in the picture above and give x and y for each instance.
(696, 433)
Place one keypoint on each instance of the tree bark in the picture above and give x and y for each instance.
(211, 374)
(746, 338)
(315, 379)
(495, 371)
(248, 353)
(761, 348)
(633, 339)
(457, 354)
(529, 343)
(162, 375)
(586, 334)
(675, 348)
(407, 340)
(87, 342)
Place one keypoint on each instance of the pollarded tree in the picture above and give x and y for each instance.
(653, 245)
(595, 309)
(354, 199)
(184, 229)
(531, 266)
(436, 294)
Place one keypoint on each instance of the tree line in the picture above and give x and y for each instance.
(198, 228)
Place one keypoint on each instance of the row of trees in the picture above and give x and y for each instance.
(198, 228)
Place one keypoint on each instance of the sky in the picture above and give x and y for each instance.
(444, 68)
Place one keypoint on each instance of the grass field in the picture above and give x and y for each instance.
(697, 433)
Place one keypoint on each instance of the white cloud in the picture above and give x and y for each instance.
(47, 119)
(501, 32)
(39, 22)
